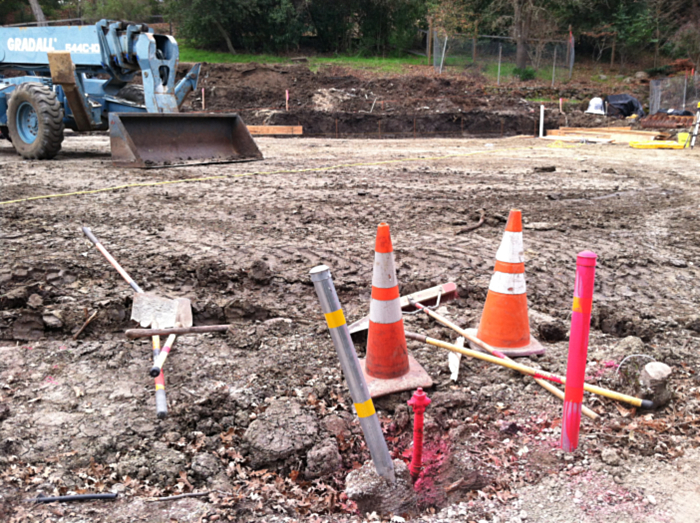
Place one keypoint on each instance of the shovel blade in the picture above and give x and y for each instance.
(146, 140)
(153, 311)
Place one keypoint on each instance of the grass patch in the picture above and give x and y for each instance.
(388, 65)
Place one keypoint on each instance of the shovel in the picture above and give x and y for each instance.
(161, 313)
(164, 313)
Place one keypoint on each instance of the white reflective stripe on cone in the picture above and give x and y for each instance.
(384, 275)
(511, 249)
(385, 311)
(507, 283)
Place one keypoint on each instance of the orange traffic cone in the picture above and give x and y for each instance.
(388, 367)
(504, 323)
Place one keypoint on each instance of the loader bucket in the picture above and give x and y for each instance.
(147, 140)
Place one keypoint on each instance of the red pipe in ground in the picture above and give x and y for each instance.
(418, 402)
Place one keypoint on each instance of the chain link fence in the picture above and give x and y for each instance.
(495, 56)
(681, 93)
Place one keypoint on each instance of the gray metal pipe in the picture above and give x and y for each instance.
(330, 305)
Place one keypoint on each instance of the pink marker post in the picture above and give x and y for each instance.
(578, 349)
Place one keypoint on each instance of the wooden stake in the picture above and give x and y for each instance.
(87, 322)
(204, 104)
(542, 383)
(524, 369)
(430, 39)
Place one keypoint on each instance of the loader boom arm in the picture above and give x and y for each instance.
(119, 49)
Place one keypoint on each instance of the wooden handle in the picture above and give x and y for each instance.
(530, 371)
(133, 334)
(542, 383)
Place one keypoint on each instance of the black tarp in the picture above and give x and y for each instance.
(623, 105)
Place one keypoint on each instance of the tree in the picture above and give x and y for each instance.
(38, 13)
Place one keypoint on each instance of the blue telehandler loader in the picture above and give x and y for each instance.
(82, 78)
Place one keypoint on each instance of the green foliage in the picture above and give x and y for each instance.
(686, 42)
(131, 10)
(526, 74)
(19, 12)
(255, 25)
(634, 26)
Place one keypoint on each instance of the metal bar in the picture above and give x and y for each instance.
(349, 363)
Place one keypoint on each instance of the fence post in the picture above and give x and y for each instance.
(554, 64)
(444, 51)
(476, 34)
(430, 38)
(500, 49)
(568, 46)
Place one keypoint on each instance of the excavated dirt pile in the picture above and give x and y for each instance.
(337, 102)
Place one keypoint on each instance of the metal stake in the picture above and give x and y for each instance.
(372, 429)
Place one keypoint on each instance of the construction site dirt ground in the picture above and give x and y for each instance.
(260, 417)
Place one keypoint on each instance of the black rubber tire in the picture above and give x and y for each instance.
(132, 93)
(49, 120)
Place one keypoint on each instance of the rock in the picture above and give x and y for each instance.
(372, 493)
(692, 322)
(284, 430)
(468, 471)
(336, 426)
(641, 75)
(260, 272)
(205, 466)
(602, 77)
(628, 346)
(52, 322)
(14, 299)
(323, 459)
(4, 411)
(552, 331)
(166, 463)
(131, 465)
(35, 301)
(544, 169)
(654, 382)
(29, 326)
(610, 457)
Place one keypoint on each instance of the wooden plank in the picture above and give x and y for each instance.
(628, 128)
(275, 129)
(596, 130)
(574, 138)
(446, 291)
(617, 137)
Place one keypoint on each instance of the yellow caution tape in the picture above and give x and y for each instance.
(335, 319)
(366, 409)
(241, 175)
